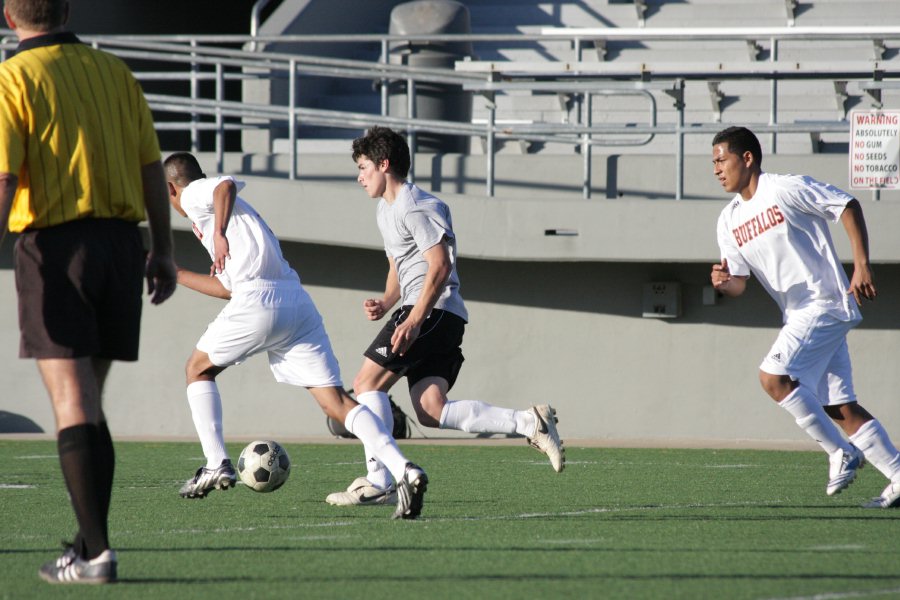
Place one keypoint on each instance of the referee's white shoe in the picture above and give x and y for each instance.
(842, 469)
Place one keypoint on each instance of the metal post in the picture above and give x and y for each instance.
(410, 132)
(773, 101)
(195, 86)
(220, 121)
(586, 146)
(292, 113)
(489, 176)
(679, 140)
(385, 108)
(255, 18)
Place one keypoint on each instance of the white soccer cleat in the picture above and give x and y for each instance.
(411, 492)
(362, 493)
(546, 439)
(842, 469)
(207, 480)
(889, 498)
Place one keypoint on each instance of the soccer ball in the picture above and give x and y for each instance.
(264, 466)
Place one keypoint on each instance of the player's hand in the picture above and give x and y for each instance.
(162, 277)
(720, 275)
(221, 246)
(374, 309)
(404, 336)
(862, 284)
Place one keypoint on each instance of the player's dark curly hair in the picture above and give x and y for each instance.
(381, 143)
(740, 140)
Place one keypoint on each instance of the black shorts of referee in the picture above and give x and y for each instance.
(80, 288)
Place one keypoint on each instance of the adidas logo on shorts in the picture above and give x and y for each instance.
(382, 351)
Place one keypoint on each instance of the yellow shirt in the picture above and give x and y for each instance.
(75, 129)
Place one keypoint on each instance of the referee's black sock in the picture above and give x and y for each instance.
(80, 454)
(106, 466)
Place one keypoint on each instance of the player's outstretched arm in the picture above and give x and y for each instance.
(205, 284)
(862, 283)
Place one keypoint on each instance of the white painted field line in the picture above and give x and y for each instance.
(842, 595)
(225, 529)
(602, 510)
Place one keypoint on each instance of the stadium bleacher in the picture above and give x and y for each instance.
(580, 293)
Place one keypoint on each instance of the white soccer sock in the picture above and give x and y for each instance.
(206, 410)
(370, 430)
(803, 405)
(874, 442)
(380, 405)
(475, 416)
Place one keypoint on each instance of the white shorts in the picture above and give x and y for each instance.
(279, 318)
(812, 349)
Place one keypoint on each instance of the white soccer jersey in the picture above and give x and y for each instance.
(414, 222)
(781, 235)
(255, 251)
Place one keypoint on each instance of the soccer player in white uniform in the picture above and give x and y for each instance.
(268, 311)
(422, 339)
(776, 228)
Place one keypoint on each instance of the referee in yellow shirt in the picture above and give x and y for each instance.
(79, 169)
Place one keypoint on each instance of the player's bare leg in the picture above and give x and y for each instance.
(86, 458)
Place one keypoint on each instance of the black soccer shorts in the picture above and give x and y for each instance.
(435, 353)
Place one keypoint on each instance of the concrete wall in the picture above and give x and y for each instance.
(565, 329)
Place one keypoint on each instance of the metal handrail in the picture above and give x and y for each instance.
(254, 61)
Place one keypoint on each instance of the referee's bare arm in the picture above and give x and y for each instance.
(161, 275)
(8, 185)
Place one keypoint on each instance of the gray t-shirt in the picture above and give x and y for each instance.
(413, 223)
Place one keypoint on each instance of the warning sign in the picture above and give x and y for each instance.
(875, 150)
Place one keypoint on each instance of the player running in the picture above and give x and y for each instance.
(422, 339)
(776, 228)
(268, 311)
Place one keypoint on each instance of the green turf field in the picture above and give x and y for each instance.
(497, 523)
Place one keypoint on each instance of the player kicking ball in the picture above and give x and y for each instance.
(776, 228)
(268, 311)
(421, 340)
